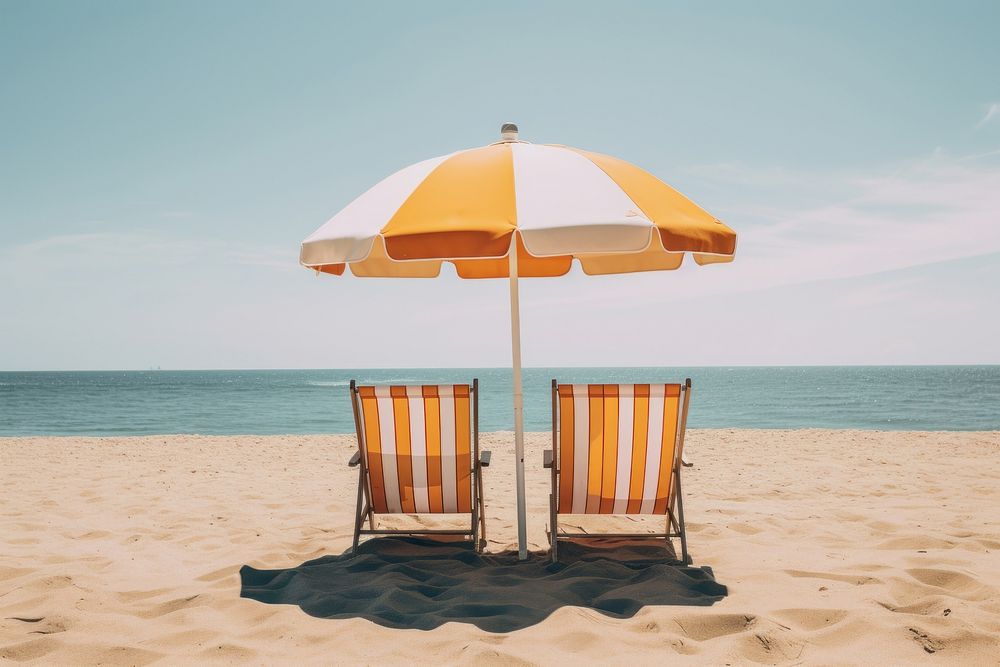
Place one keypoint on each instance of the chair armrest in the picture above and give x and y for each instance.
(547, 458)
(355, 460)
(484, 458)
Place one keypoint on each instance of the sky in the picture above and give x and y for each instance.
(160, 163)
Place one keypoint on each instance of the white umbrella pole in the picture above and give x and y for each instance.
(515, 343)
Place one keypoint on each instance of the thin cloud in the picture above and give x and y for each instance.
(991, 113)
(95, 250)
(923, 212)
(980, 156)
(799, 226)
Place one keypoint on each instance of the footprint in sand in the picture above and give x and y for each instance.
(703, 627)
(183, 637)
(744, 528)
(132, 596)
(230, 653)
(922, 606)
(168, 607)
(928, 643)
(855, 579)
(32, 649)
(221, 573)
(882, 526)
(771, 647)
(955, 583)
(14, 572)
(811, 619)
(90, 535)
(50, 583)
(42, 625)
(915, 543)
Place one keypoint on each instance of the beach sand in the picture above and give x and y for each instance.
(837, 547)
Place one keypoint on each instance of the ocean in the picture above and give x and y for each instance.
(933, 398)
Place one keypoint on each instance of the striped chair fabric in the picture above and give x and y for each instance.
(617, 444)
(417, 447)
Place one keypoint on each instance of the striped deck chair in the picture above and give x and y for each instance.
(418, 452)
(617, 449)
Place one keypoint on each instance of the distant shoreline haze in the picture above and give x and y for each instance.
(489, 368)
(262, 402)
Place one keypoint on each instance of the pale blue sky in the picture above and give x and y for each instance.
(160, 163)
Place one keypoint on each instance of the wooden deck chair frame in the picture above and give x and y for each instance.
(477, 529)
(675, 504)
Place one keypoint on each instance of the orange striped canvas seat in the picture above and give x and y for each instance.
(618, 449)
(419, 450)
(418, 445)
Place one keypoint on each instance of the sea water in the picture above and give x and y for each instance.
(959, 398)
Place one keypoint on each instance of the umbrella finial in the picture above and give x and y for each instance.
(508, 132)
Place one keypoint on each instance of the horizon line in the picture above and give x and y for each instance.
(459, 368)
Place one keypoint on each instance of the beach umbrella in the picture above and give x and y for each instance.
(516, 209)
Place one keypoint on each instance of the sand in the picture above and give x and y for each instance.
(834, 547)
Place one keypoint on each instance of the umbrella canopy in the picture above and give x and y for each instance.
(561, 203)
(551, 204)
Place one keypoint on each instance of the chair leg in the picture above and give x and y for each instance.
(474, 529)
(553, 529)
(680, 522)
(482, 510)
(482, 525)
(359, 516)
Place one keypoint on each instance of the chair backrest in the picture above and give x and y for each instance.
(417, 444)
(618, 446)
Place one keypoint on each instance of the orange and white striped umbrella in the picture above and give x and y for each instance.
(553, 204)
(559, 202)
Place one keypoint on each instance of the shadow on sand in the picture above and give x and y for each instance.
(410, 582)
